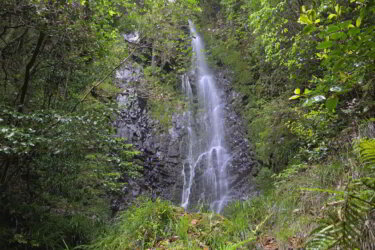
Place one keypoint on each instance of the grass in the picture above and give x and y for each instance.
(284, 214)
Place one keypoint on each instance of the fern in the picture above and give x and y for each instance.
(352, 226)
(366, 149)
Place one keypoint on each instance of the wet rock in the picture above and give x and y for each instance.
(163, 153)
(243, 164)
(159, 151)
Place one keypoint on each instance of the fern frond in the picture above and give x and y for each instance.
(366, 148)
(353, 226)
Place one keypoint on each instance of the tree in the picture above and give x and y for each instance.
(59, 168)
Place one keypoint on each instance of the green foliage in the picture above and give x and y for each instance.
(271, 212)
(288, 174)
(153, 224)
(67, 165)
(72, 47)
(61, 162)
(141, 226)
(266, 129)
(350, 225)
(314, 130)
(182, 228)
(264, 179)
(344, 45)
(164, 52)
(163, 97)
(59, 168)
(322, 50)
(366, 148)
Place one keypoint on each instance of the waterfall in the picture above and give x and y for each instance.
(204, 169)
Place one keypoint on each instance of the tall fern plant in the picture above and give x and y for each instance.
(352, 226)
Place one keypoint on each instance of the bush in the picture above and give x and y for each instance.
(141, 226)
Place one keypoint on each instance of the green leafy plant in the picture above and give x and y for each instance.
(141, 226)
(352, 224)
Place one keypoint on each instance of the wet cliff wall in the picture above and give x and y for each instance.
(163, 150)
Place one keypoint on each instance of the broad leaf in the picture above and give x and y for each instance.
(338, 36)
(333, 28)
(294, 97)
(325, 45)
(358, 21)
(354, 31)
(309, 28)
(332, 16)
(304, 19)
(331, 103)
(307, 91)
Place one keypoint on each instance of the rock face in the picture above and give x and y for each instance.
(159, 150)
(162, 153)
(243, 165)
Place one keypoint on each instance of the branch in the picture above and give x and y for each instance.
(93, 87)
(29, 65)
(102, 80)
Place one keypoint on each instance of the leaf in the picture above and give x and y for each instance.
(307, 91)
(333, 28)
(308, 29)
(354, 31)
(358, 21)
(337, 8)
(331, 103)
(297, 91)
(340, 64)
(312, 100)
(344, 77)
(325, 45)
(321, 55)
(111, 12)
(332, 16)
(294, 97)
(312, 14)
(304, 19)
(338, 36)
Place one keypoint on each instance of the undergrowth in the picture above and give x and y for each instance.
(306, 205)
(159, 224)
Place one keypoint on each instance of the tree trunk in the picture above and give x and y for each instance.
(29, 65)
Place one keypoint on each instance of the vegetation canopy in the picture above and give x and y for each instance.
(304, 71)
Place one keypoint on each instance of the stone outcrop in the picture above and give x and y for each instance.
(162, 151)
(243, 165)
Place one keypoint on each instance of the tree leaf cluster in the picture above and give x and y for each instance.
(305, 71)
(61, 163)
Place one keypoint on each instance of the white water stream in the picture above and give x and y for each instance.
(205, 168)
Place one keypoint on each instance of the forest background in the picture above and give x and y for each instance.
(305, 70)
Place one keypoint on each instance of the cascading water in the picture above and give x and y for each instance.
(205, 167)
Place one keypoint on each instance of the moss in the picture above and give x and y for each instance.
(164, 95)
